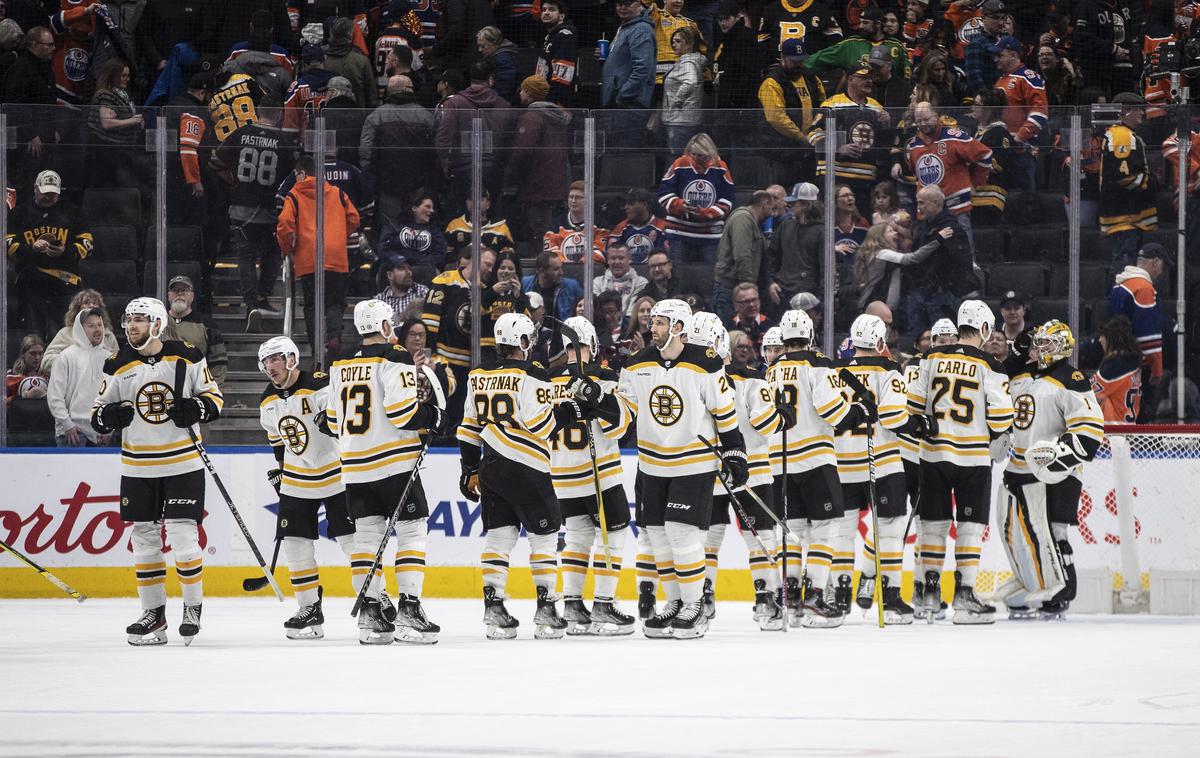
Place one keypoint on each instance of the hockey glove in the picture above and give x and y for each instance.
(188, 411)
(275, 477)
(468, 484)
(734, 467)
(586, 392)
(112, 416)
(787, 415)
(321, 421)
(920, 426)
(435, 418)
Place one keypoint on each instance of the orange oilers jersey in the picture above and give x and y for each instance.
(570, 244)
(953, 160)
(192, 129)
(74, 31)
(967, 23)
(1118, 387)
(1170, 151)
(1027, 108)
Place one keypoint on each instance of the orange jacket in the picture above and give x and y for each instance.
(296, 229)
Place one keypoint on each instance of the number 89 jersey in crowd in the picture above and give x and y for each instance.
(966, 390)
(374, 409)
(152, 446)
(311, 460)
(882, 377)
(570, 457)
(509, 409)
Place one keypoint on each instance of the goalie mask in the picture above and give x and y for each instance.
(278, 346)
(1053, 342)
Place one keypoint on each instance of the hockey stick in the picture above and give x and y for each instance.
(180, 375)
(256, 583)
(860, 390)
(79, 596)
(387, 531)
(783, 496)
(737, 504)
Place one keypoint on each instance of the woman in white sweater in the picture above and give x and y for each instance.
(683, 91)
(75, 380)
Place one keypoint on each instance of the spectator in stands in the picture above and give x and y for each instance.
(190, 326)
(640, 231)
(796, 251)
(683, 90)
(47, 238)
(1102, 37)
(85, 299)
(417, 239)
(1134, 296)
(939, 73)
(1062, 80)
(405, 296)
(560, 293)
(788, 97)
(852, 52)
(344, 59)
(620, 277)
(75, 380)
(996, 346)
(396, 148)
(560, 51)
(1128, 207)
(343, 120)
(697, 192)
(414, 336)
(979, 63)
(664, 283)
(936, 286)
(506, 295)
(30, 81)
(608, 314)
(878, 263)
(460, 20)
(27, 378)
(296, 233)
(884, 202)
(742, 350)
(1014, 307)
(740, 252)
(565, 236)
(538, 164)
(779, 208)
(117, 134)
(226, 23)
(989, 198)
(11, 39)
(810, 304)
(502, 55)
(495, 233)
(1027, 109)
(737, 58)
(448, 322)
(260, 58)
(637, 329)
(1118, 381)
(747, 314)
(1170, 151)
(627, 84)
(890, 91)
(454, 119)
(849, 229)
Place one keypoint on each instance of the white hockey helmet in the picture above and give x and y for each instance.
(1053, 342)
(370, 316)
(515, 330)
(150, 307)
(673, 310)
(586, 332)
(977, 315)
(279, 346)
(796, 325)
(773, 337)
(943, 327)
(868, 332)
(706, 329)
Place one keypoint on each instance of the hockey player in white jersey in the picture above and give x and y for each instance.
(966, 391)
(679, 392)
(508, 421)
(162, 477)
(377, 415)
(1058, 427)
(308, 474)
(571, 469)
(881, 377)
(772, 345)
(813, 394)
(758, 418)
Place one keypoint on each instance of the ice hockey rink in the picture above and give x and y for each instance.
(1092, 685)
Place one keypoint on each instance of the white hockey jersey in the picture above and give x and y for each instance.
(311, 460)
(910, 447)
(509, 409)
(807, 382)
(883, 379)
(675, 401)
(374, 409)
(967, 391)
(152, 446)
(758, 421)
(570, 458)
(1049, 404)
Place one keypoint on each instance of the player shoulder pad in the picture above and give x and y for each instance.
(702, 357)
(648, 354)
(602, 373)
(268, 392)
(182, 349)
(125, 354)
(536, 370)
(397, 354)
(745, 372)
(313, 380)
(1069, 377)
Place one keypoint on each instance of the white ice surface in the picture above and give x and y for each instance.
(1092, 686)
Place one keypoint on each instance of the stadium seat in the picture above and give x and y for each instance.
(1027, 278)
(1097, 311)
(184, 243)
(991, 243)
(116, 309)
(362, 284)
(115, 242)
(1038, 243)
(1046, 308)
(752, 171)
(1048, 208)
(527, 60)
(109, 276)
(1092, 246)
(189, 269)
(625, 170)
(114, 205)
(1093, 280)
(30, 415)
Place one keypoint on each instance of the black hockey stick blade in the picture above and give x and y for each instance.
(854, 383)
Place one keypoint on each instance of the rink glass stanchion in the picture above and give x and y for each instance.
(476, 219)
(829, 286)
(4, 357)
(318, 306)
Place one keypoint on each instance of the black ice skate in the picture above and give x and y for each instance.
(190, 626)
(843, 593)
(386, 606)
(820, 610)
(646, 600)
(767, 611)
(1023, 613)
(795, 602)
(691, 622)
(896, 612)
(1053, 611)
(547, 624)
(150, 629)
(931, 596)
(498, 624)
(577, 616)
(710, 600)
(866, 592)
(608, 620)
(412, 627)
(969, 609)
(659, 626)
(308, 623)
(373, 628)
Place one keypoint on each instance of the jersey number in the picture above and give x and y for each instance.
(497, 409)
(229, 116)
(962, 409)
(573, 437)
(257, 166)
(356, 408)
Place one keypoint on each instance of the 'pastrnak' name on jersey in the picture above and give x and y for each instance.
(508, 409)
(310, 460)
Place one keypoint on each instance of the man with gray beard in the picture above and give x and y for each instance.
(200, 331)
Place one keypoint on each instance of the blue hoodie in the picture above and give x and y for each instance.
(628, 78)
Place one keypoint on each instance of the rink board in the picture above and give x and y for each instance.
(62, 510)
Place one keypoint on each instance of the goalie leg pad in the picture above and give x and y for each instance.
(183, 534)
(301, 557)
(149, 564)
(1032, 549)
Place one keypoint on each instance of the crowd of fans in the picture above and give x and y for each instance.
(942, 116)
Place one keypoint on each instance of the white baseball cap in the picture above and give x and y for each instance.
(802, 191)
(48, 182)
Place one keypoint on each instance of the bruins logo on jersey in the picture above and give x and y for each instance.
(863, 134)
(153, 400)
(666, 405)
(1026, 409)
(294, 434)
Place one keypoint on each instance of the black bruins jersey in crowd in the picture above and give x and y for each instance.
(806, 20)
(258, 158)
